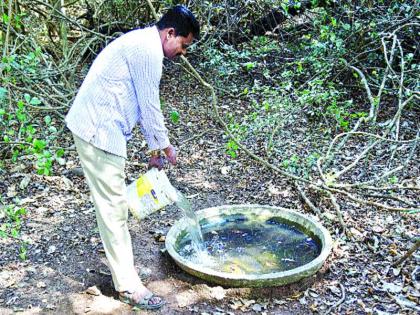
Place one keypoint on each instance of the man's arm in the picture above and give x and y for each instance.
(146, 78)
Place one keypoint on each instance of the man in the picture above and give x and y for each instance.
(120, 90)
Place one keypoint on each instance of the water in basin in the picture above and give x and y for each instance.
(240, 244)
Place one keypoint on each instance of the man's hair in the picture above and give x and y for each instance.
(182, 20)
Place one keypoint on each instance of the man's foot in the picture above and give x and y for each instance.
(142, 298)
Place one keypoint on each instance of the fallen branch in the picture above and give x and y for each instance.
(338, 210)
(407, 254)
(373, 104)
(307, 201)
(193, 137)
(343, 297)
(368, 202)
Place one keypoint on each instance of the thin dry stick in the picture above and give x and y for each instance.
(307, 201)
(368, 202)
(387, 69)
(407, 254)
(397, 123)
(367, 88)
(405, 25)
(394, 187)
(183, 143)
(338, 210)
(390, 197)
(9, 24)
(343, 297)
(369, 182)
(71, 21)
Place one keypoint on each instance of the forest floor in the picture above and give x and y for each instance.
(65, 271)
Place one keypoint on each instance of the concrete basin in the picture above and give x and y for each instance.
(302, 222)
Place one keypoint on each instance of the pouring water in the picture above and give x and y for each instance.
(201, 254)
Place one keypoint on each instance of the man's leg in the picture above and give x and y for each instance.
(105, 176)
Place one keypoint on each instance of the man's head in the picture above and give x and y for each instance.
(177, 28)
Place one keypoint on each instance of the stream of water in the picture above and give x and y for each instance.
(194, 230)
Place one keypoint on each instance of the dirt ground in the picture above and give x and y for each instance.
(66, 273)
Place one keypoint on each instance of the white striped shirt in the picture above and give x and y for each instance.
(120, 90)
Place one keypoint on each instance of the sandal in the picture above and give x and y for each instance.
(145, 302)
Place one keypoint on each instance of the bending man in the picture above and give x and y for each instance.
(120, 90)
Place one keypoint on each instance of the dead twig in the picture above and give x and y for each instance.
(338, 210)
(9, 25)
(307, 201)
(407, 254)
(343, 297)
(193, 137)
(368, 202)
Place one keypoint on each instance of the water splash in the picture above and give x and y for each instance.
(195, 234)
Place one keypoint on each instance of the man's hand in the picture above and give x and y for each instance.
(158, 161)
(170, 153)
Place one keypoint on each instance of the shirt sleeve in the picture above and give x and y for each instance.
(146, 71)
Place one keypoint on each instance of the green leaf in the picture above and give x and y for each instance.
(346, 26)
(413, 211)
(39, 145)
(47, 120)
(47, 154)
(21, 211)
(162, 104)
(175, 117)
(27, 97)
(15, 233)
(249, 66)
(22, 251)
(35, 101)
(3, 93)
(5, 18)
(59, 153)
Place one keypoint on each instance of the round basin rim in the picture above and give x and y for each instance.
(315, 263)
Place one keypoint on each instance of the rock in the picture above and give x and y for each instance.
(392, 288)
(11, 191)
(329, 216)
(68, 184)
(41, 284)
(378, 229)
(257, 308)
(415, 277)
(225, 170)
(25, 182)
(218, 293)
(51, 249)
(78, 171)
(93, 291)
(406, 304)
(160, 238)
(274, 190)
(356, 233)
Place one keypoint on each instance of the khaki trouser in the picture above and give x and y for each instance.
(105, 176)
